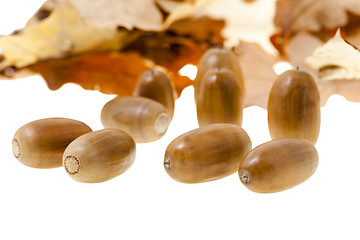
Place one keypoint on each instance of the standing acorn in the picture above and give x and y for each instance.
(220, 98)
(206, 153)
(294, 107)
(41, 143)
(144, 119)
(157, 86)
(99, 156)
(214, 58)
(278, 165)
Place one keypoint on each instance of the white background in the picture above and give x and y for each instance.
(144, 202)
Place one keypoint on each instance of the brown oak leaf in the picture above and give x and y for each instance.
(114, 73)
(319, 17)
(337, 68)
(110, 73)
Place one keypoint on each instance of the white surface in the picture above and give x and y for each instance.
(144, 202)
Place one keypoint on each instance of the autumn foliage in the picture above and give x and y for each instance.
(107, 44)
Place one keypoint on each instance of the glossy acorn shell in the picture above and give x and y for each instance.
(145, 120)
(294, 107)
(220, 98)
(41, 143)
(99, 156)
(278, 165)
(157, 86)
(206, 153)
(214, 58)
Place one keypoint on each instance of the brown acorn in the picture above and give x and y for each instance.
(145, 120)
(41, 143)
(278, 165)
(206, 153)
(157, 86)
(99, 156)
(294, 107)
(214, 58)
(220, 98)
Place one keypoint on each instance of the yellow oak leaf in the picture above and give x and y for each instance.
(63, 33)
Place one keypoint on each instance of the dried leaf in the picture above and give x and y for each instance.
(168, 5)
(67, 33)
(187, 9)
(336, 59)
(147, 15)
(182, 43)
(114, 73)
(110, 73)
(337, 69)
(141, 14)
(348, 88)
(180, 82)
(314, 15)
(259, 75)
(321, 18)
(201, 29)
(63, 33)
(299, 47)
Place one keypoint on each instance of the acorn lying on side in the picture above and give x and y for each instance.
(220, 98)
(278, 165)
(294, 107)
(145, 120)
(41, 143)
(206, 153)
(157, 86)
(99, 156)
(214, 58)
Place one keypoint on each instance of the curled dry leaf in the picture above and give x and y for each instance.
(336, 59)
(337, 66)
(319, 17)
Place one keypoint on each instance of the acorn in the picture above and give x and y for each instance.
(206, 153)
(145, 120)
(99, 156)
(41, 143)
(156, 85)
(294, 107)
(278, 165)
(214, 58)
(220, 98)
